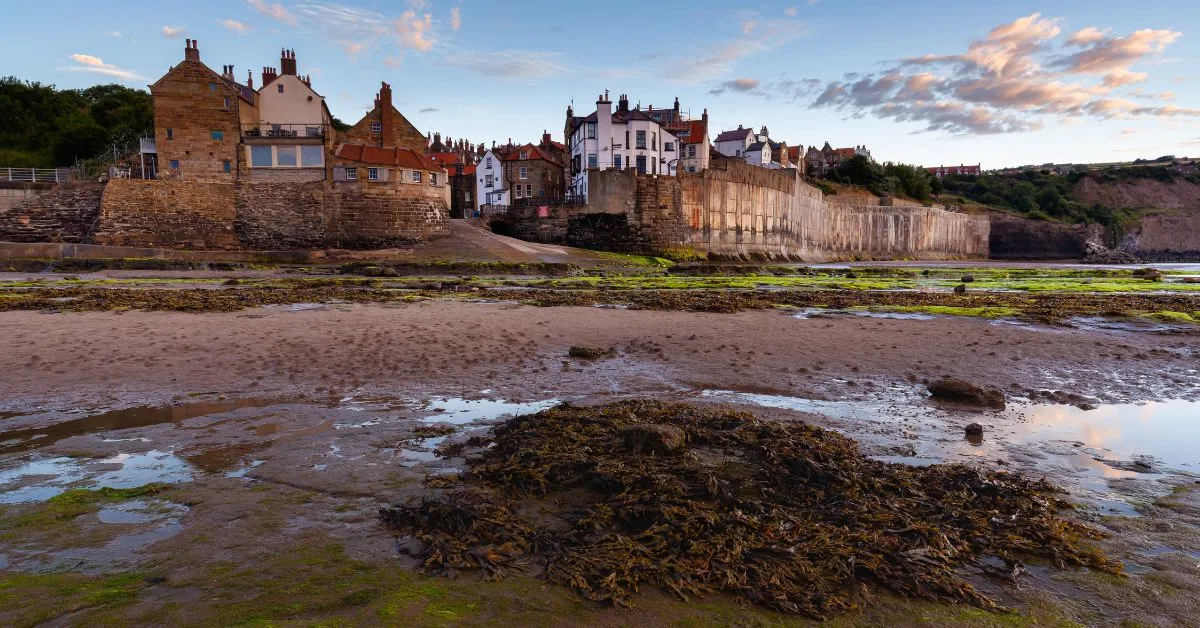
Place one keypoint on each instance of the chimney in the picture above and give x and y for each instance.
(268, 75)
(249, 79)
(386, 115)
(623, 104)
(287, 63)
(192, 51)
(676, 106)
(227, 72)
(545, 138)
(705, 116)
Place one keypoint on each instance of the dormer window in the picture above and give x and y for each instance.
(524, 154)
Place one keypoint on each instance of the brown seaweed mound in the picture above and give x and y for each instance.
(787, 515)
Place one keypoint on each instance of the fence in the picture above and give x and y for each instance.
(538, 201)
(37, 175)
(315, 131)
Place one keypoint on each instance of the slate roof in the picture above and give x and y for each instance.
(734, 135)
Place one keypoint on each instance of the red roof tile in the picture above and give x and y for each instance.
(534, 153)
(400, 157)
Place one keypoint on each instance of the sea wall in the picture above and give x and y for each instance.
(194, 215)
(739, 211)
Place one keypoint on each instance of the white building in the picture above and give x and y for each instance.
(621, 140)
(489, 181)
(734, 143)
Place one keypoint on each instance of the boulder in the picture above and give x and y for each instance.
(960, 288)
(653, 438)
(974, 429)
(965, 392)
(967, 278)
(1149, 274)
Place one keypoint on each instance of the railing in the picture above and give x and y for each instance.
(267, 130)
(37, 175)
(147, 146)
(493, 210)
(538, 201)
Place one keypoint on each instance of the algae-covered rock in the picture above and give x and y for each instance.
(961, 391)
(651, 437)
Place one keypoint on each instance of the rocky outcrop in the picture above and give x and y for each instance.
(967, 393)
(1013, 237)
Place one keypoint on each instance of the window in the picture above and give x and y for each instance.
(668, 147)
(489, 163)
(653, 141)
(529, 190)
(260, 157)
(312, 156)
(691, 167)
(524, 154)
(416, 176)
(641, 140)
(352, 174)
(617, 162)
(285, 156)
(174, 164)
(692, 150)
(641, 164)
(372, 174)
(524, 173)
(593, 162)
(280, 86)
(518, 191)
(377, 127)
(488, 181)
(433, 178)
(212, 87)
(227, 102)
(170, 134)
(312, 131)
(591, 130)
(226, 166)
(217, 136)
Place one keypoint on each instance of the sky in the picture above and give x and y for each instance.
(996, 83)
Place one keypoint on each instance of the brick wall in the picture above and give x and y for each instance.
(165, 213)
(281, 216)
(66, 213)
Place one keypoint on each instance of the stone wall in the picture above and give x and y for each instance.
(274, 216)
(168, 213)
(366, 221)
(66, 213)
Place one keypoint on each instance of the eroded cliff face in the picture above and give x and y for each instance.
(1016, 238)
(1140, 194)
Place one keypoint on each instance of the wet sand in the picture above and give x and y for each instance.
(293, 424)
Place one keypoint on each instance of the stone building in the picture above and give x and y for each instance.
(198, 120)
(385, 126)
(534, 172)
(458, 158)
(820, 162)
(617, 140)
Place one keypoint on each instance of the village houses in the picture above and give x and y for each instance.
(820, 162)
(941, 171)
(622, 139)
(756, 149)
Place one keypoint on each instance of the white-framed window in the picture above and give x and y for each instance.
(489, 163)
(352, 174)
(524, 172)
(372, 174)
(416, 176)
(518, 191)
(488, 181)
(285, 157)
(377, 127)
(591, 130)
(692, 150)
(433, 178)
(593, 161)
(312, 156)
(261, 157)
(640, 137)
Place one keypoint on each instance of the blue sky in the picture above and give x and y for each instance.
(1001, 83)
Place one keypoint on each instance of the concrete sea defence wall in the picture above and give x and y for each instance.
(742, 211)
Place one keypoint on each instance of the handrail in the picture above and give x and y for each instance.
(36, 175)
(267, 129)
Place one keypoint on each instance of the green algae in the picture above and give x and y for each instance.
(32, 599)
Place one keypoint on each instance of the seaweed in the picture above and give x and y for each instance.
(784, 514)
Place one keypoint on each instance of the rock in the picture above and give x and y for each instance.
(653, 438)
(960, 288)
(974, 429)
(851, 275)
(968, 278)
(591, 353)
(960, 391)
(388, 271)
(1086, 407)
(372, 271)
(1100, 254)
(1191, 280)
(1149, 274)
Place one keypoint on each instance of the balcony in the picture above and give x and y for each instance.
(265, 131)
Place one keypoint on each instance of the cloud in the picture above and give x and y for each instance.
(414, 30)
(363, 29)
(429, 110)
(240, 28)
(790, 11)
(509, 63)
(736, 85)
(116, 34)
(1009, 81)
(274, 11)
(455, 18)
(713, 62)
(173, 32)
(96, 65)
